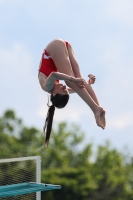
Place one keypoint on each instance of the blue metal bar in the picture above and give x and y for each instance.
(25, 188)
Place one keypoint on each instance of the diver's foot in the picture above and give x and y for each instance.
(100, 117)
(103, 120)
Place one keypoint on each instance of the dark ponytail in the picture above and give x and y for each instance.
(58, 101)
(48, 124)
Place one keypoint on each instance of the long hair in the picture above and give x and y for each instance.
(58, 101)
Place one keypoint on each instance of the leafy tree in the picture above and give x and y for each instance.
(67, 162)
(16, 140)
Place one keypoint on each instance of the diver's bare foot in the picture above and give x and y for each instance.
(99, 116)
(103, 120)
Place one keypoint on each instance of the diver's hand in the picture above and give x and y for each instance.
(80, 82)
(92, 79)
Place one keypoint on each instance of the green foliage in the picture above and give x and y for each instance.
(68, 162)
(16, 140)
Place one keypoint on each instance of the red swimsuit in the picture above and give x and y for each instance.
(47, 65)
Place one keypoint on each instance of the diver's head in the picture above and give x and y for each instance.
(59, 96)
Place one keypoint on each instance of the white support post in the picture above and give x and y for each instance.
(38, 175)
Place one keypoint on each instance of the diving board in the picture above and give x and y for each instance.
(25, 188)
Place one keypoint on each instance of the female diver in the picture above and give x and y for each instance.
(58, 62)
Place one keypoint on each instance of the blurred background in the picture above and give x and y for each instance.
(101, 33)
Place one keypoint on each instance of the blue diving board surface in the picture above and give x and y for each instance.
(25, 188)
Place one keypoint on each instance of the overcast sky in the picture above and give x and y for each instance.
(101, 33)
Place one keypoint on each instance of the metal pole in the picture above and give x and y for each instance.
(38, 175)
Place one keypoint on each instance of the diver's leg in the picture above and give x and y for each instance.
(60, 57)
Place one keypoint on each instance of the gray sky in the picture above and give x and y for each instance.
(101, 33)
